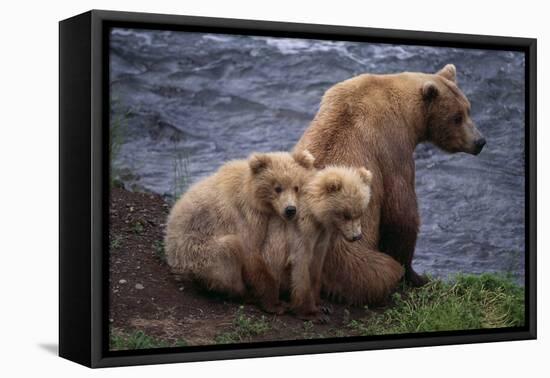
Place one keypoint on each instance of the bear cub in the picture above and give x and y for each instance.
(332, 203)
(215, 231)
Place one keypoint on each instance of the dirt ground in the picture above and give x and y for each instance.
(145, 297)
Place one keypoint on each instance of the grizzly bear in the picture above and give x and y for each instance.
(376, 122)
(332, 203)
(215, 231)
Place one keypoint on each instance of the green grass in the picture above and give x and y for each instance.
(139, 340)
(310, 331)
(465, 302)
(245, 328)
(158, 248)
(137, 227)
(116, 242)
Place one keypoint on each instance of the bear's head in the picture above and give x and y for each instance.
(338, 197)
(277, 179)
(448, 122)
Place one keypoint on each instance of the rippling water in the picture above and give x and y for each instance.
(191, 101)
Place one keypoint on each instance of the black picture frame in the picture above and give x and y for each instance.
(84, 189)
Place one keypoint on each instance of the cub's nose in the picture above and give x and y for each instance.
(290, 211)
(357, 237)
(479, 144)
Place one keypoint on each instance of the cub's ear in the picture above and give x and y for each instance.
(365, 175)
(304, 158)
(258, 162)
(429, 91)
(332, 183)
(448, 72)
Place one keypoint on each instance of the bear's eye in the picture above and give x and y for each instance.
(278, 189)
(347, 216)
(457, 119)
(296, 189)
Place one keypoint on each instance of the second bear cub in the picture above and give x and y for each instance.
(332, 204)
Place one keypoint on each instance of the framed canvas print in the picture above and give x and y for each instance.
(233, 188)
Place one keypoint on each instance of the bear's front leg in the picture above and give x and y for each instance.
(302, 296)
(399, 226)
(262, 285)
(317, 262)
(257, 276)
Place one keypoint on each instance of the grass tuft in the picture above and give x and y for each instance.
(465, 302)
(137, 227)
(245, 328)
(158, 248)
(139, 340)
(115, 242)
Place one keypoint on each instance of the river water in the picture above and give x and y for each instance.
(185, 103)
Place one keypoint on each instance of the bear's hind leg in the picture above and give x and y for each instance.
(224, 271)
(357, 275)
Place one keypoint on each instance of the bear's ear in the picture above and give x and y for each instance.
(304, 158)
(429, 91)
(258, 162)
(448, 72)
(365, 175)
(332, 183)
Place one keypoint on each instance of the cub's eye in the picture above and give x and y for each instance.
(278, 189)
(347, 216)
(296, 189)
(457, 119)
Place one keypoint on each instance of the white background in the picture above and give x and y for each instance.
(29, 186)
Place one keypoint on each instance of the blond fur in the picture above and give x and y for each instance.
(216, 229)
(332, 205)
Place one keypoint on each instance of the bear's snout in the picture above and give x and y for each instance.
(356, 237)
(290, 211)
(479, 143)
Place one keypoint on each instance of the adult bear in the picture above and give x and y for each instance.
(376, 121)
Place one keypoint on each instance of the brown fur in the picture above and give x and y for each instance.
(215, 231)
(376, 121)
(332, 205)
